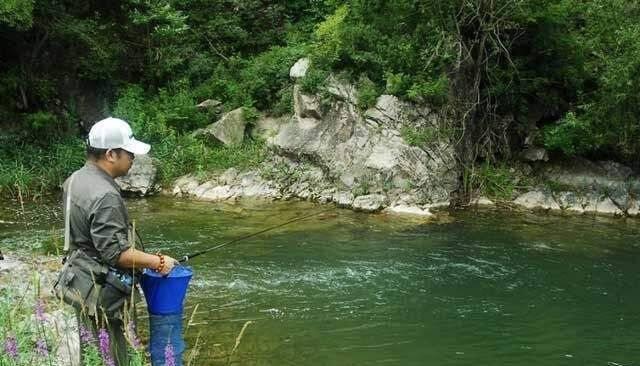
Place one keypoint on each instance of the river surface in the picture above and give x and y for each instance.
(344, 288)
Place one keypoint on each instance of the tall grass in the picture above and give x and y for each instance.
(31, 170)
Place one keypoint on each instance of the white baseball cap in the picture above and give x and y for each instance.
(114, 133)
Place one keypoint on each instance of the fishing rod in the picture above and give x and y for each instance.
(191, 256)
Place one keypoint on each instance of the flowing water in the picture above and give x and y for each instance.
(345, 288)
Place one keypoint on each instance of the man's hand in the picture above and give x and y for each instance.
(169, 263)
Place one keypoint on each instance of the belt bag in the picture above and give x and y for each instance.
(80, 282)
(90, 286)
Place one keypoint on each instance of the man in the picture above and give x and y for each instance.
(101, 258)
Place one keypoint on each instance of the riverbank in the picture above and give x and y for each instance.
(39, 327)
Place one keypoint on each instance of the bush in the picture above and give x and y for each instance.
(367, 93)
(571, 135)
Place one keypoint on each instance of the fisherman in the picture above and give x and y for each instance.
(98, 277)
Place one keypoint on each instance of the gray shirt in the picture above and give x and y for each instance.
(98, 218)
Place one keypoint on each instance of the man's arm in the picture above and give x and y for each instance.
(133, 258)
(109, 236)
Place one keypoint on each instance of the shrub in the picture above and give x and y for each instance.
(367, 93)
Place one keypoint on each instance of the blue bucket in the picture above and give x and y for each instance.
(165, 295)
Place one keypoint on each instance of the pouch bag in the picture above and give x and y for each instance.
(80, 282)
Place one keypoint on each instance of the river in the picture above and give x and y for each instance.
(343, 288)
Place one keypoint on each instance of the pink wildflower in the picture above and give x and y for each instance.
(39, 311)
(41, 348)
(104, 347)
(11, 347)
(85, 335)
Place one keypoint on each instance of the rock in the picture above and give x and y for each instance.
(306, 106)
(369, 203)
(141, 178)
(570, 201)
(229, 176)
(185, 185)
(607, 206)
(217, 193)
(231, 185)
(387, 111)
(483, 201)
(229, 129)
(408, 210)
(209, 104)
(353, 154)
(584, 174)
(299, 69)
(200, 190)
(537, 199)
(384, 156)
(535, 154)
(343, 199)
(342, 89)
(11, 265)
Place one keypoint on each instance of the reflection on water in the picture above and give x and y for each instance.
(346, 288)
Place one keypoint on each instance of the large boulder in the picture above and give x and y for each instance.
(357, 157)
(229, 129)
(141, 178)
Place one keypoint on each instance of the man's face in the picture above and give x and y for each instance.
(121, 161)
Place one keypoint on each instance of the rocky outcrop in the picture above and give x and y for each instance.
(141, 178)
(229, 129)
(366, 154)
(582, 186)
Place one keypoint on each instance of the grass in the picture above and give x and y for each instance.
(30, 172)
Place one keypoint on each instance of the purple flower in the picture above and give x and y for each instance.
(133, 336)
(85, 335)
(169, 356)
(39, 311)
(104, 347)
(41, 348)
(11, 347)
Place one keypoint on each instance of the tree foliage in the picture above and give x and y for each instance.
(498, 67)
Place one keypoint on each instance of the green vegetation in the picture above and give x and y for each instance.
(418, 137)
(496, 67)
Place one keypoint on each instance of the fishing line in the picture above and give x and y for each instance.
(191, 256)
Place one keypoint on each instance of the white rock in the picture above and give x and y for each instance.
(370, 203)
(343, 199)
(408, 210)
(607, 206)
(299, 69)
(484, 201)
(537, 199)
(218, 193)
